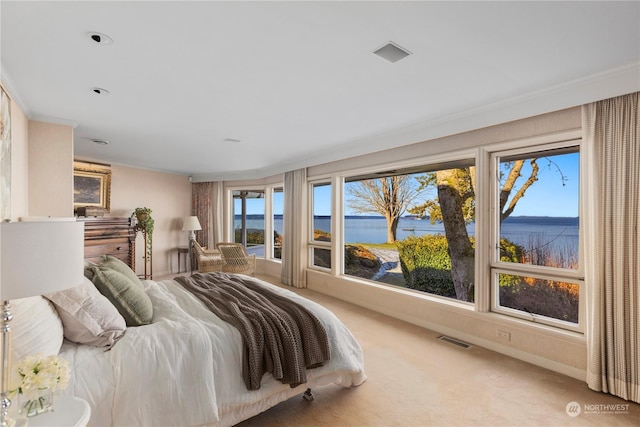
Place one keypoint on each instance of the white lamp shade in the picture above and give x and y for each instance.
(191, 223)
(40, 257)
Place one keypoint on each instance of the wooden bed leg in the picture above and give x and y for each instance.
(308, 395)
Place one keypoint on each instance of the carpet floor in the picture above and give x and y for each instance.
(414, 379)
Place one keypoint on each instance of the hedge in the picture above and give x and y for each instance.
(426, 265)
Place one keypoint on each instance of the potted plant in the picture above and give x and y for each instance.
(144, 223)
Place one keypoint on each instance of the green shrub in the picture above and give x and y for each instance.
(426, 265)
(254, 236)
(277, 245)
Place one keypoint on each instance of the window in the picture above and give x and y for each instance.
(536, 269)
(394, 228)
(277, 205)
(248, 220)
(321, 230)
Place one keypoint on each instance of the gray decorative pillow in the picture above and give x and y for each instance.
(87, 316)
(126, 295)
(121, 267)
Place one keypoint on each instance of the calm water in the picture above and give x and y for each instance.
(372, 229)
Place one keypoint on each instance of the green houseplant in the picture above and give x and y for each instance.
(144, 223)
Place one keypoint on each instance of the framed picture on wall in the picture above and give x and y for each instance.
(91, 188)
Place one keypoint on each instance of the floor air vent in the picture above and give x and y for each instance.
(454, 341)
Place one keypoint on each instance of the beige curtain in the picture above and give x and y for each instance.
(612, 146)
(294, 242)
(217, 213)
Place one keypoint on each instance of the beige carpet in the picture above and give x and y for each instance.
(416, 380)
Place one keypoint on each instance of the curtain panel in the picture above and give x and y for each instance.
(201, 207)
(295, 218)
(611, 135)
(217, 213)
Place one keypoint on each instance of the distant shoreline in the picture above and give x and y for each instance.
(520, 218)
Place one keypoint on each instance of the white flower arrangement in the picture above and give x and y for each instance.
(39, 372)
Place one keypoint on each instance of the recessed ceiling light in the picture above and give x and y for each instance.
(100, 38)
(231, 140)
(392, 52)
(100, 141)
(99, 91)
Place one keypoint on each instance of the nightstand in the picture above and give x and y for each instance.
(183, 250)
(68, 411)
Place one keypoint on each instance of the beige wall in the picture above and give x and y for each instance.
(19, 163)
(169, 198)
(50, 169)
(550, 123)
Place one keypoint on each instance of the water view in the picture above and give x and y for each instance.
(561, 231)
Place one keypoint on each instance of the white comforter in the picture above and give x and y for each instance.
(185, 368)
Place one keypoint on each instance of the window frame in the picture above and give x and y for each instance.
(419, 166)
(270, 226)
(318, 244)
(496, 266)
(267, 190)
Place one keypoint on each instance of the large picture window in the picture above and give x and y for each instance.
(413, 228)
(536, 269)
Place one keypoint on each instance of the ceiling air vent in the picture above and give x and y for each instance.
(392, 52)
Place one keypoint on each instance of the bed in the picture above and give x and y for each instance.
(183, 368)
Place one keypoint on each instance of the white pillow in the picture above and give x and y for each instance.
(88, 316)
(35, 328)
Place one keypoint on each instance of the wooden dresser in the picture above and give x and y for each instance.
(109, 236)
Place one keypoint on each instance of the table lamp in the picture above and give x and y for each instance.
(191, 224)
(36, 258)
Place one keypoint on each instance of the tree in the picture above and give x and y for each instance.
(389, 196)
(455, 207)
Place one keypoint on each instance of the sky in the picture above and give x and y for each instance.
(547, 197)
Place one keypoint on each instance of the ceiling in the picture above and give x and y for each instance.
(297, 83)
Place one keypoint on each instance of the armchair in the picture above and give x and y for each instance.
(208, 260)
(236, 258)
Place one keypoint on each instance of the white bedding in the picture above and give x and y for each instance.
(185, 368)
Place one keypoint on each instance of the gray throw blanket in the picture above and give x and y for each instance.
(278, 335)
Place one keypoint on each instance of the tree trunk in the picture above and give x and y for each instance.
(460, 249)
(392, 228)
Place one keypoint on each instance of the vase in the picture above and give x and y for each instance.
(38, 402)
